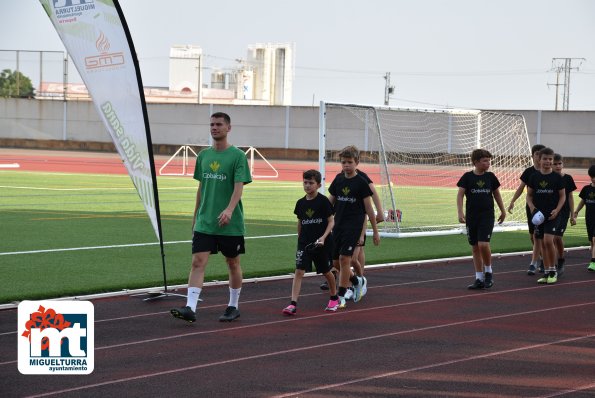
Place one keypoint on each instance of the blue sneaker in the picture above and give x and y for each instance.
(531, 270)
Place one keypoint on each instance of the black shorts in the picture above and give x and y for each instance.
(479, 229)
(345, 241)
(549, 227)
(564, 216)
(229, 246)
(322, 260)
(591, 231)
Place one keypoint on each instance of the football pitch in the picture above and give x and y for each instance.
(66, 234)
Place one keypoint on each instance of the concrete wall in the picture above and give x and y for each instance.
(570, 133)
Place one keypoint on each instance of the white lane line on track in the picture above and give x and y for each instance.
(435, 365)
(127, 245)
(350, 341)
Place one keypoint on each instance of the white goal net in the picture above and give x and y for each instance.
(416, 156)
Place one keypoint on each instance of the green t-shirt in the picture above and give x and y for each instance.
(217, 172)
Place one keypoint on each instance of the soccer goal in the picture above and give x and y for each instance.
(416, 156)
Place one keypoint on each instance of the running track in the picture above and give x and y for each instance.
(417, 333)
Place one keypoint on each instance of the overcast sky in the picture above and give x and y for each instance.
(457, 53)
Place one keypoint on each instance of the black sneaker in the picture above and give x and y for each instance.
(489, 280)
(230, 314)
(324, 285)
(184, 313)
(560, 266)
(531, 270)
(478, 284)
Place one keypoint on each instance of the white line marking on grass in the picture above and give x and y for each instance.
(350, 341)
(68, 189)
(127, 245)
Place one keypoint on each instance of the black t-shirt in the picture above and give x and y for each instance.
(588, 196)
(313, 214)
(569, 186)
(349, 194)
(479, 191)
(526, 176)
(545, 191)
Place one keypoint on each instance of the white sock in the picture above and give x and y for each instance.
(479, 275)
(192, 298)
(487, 268)
(234, 297)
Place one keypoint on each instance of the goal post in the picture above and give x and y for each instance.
(416, 156)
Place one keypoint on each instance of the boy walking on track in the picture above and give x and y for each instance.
(546, 195)
(529, 171)
(567, 212)
(315, 223)
(480, 187)
(221, 170)
(351, 197)
(587, 196)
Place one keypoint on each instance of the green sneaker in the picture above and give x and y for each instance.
(552, 278)
(591, 267)
(542, 281)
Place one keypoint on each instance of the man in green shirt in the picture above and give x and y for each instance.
(222, 171)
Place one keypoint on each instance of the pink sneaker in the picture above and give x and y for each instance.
(290, 310)
(332, 305)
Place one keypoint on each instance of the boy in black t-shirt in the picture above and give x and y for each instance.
(315, 223)
(587, 196)
(481, 188)
(351, 197)
(529, 171)
(546, 194)
(567, 212)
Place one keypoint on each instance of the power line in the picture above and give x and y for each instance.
(560, 65)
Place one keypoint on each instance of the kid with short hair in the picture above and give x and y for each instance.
(587, 196)
(527, 173)
(480, 187)
(351, 196)
(567, 212)
(315, 223)
(546, 194)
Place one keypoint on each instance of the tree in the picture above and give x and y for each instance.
(15, 84)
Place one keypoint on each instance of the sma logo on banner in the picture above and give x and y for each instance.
(56, 337)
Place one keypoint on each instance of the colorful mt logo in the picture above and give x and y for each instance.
(56, 337)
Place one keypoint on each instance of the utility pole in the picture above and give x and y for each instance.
(388, 89)
(565, 65)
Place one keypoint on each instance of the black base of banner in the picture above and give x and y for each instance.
(155, 295)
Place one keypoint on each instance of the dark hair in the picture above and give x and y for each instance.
(557, 157)
(312, 174)
(536, 148)
(350, 151)
(477, 154)
(222, 115)
(546, 151)
(592, 171)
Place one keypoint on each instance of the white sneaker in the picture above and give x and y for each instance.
(342, 303)
(349, 293)
(357, 290)
(364, 286)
